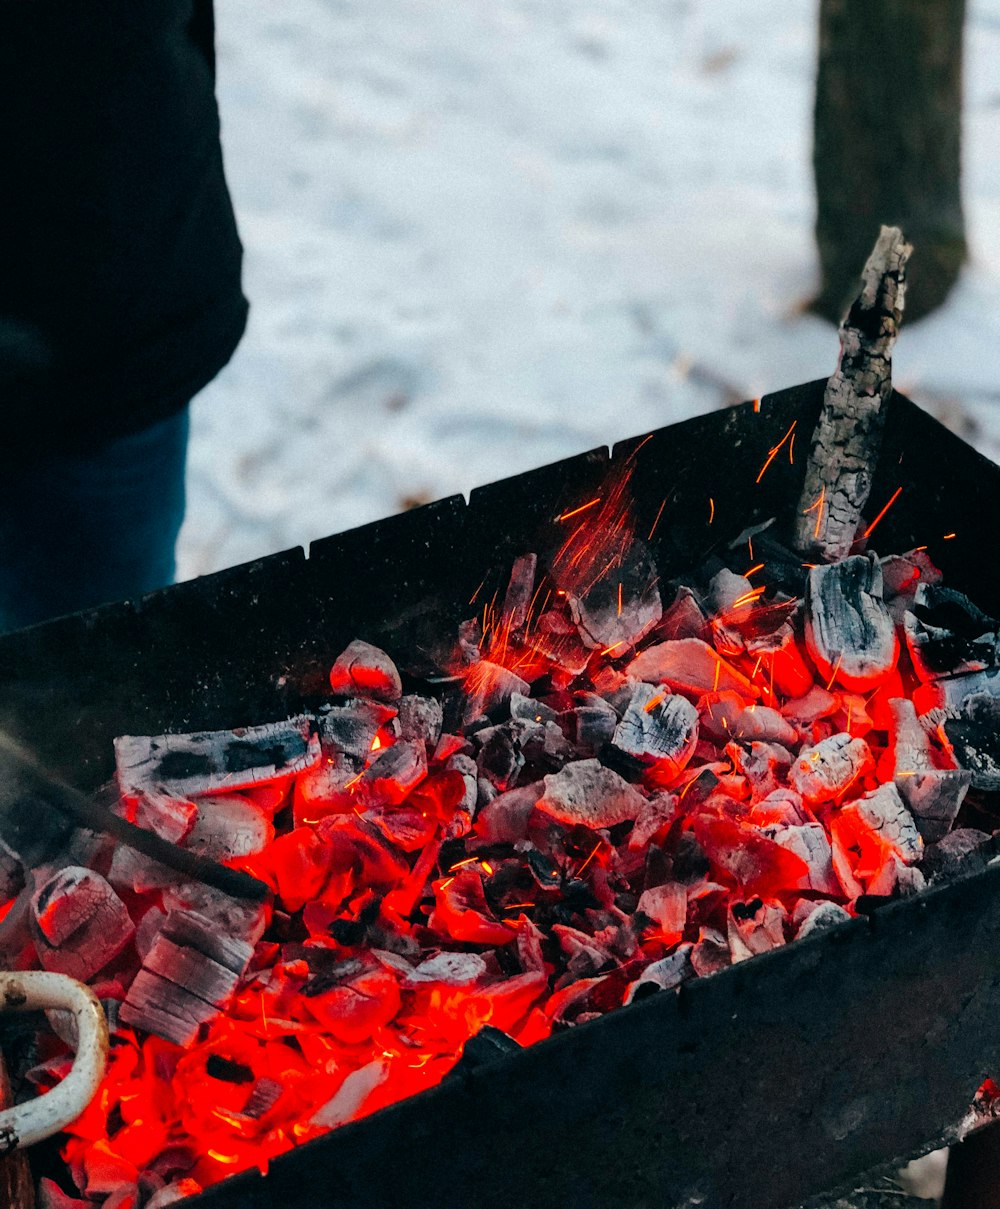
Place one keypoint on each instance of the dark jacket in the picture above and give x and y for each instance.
(120, 292)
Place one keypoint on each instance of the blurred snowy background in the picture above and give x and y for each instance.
(485, 235)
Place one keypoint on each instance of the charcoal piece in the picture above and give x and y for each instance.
(349, 728)
(781, 661)
(849, 633)
(934, 795)
(595, 721)
(500, 758)
(816, 704)
(488, 686)
(213, 761)
(265, 1094)
(505, 819)
(348, 1101)
(810, 842)
(885, 812)
(689, 666)
(761, 764)
(189, 973)
(663, 975)
(960, 851)
(685, 618)
(238, 918)
(557, 637)
(658, 728)
(657, 812)
(449, 969)
(393, 773)
(828, 769)
(947, 635)
(590, 794)
(623, 605)
(80, 923)
(974, 739)
(420, 718)
(520, 589)
(725, 588)
(755, 927)
(484, 1048)
(822, 918)
(782, 806)
(169, 816)
(229, 826)
(846, 440)
(363, 670)
(528, 709)
(711, 953)
(665, 906)
(902, 574)
(727, 716)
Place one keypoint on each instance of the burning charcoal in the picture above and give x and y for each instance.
(394, 772)
(188, 975)
(349, 729)
(80, 923)
(849, 632)
(505, 819)
(449, 969)
(622, 606)
(517, 599)
(657, 812)
(725, 589)
(590, 794)
(821, 918)
(658, 728)
(685, 618)
(934, 795)
(954, 854)
(354, 998)
(727, 716)
(886, 814)
(488, 685)
(711, 953)
(663, 975)
(947, 635)
(326, 788)
(213, 761)
(350, 1098)
(689, 666)
(420, 718)
(816, 704)
(760, 764)
(462, 912)
(903, 573)
(558, 639)
(826, 771)
(168, 816)
(363, 670)
(229, 826)
(234, 917)
(529, 710)
(810, 842)
(781, 661)
(584, 954)
(973, 736)
(666, 907)
(755, 927)
(781, 806)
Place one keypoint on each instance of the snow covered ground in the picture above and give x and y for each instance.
(482, 236)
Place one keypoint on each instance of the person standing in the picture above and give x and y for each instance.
(120, 291)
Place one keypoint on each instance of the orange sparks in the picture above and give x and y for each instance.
(608, 649)
(657, 521)
(791, 451)
(836, 669)
(748, 598)
(619, 600)
(518, 906)
(775, 451)
(472, 599)
(756, 406)
(750, 547)
(651, 705)
(871, 528)
(583, 508)
(711, 510)
(947, 537)
(818, 505)
(589, 859)
(487, 868)
(718, 673)
(753, 570)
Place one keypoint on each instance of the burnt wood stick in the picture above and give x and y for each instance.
(27, 791)
(17, 1189)
(849, 432)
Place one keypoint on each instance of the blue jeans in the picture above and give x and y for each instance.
(84, 529)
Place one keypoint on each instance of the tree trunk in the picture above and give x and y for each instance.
(887, 143)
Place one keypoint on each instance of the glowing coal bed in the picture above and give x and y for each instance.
(599, 797)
